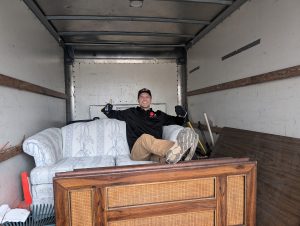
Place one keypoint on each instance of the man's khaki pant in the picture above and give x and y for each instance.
(148, 147)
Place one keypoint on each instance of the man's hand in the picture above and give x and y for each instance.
(180, 111)
(108, 107)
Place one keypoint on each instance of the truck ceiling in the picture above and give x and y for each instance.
(147, 25)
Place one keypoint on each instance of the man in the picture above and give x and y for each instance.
(144, 131)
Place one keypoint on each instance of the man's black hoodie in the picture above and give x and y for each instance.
(138, 121)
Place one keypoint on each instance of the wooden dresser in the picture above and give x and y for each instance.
(210, 192)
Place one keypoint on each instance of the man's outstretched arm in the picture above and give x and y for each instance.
(110, 113)
(180, 119)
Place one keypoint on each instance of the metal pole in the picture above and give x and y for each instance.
(69, 86)
(182, 80)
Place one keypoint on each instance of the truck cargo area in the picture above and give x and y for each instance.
(233, 64)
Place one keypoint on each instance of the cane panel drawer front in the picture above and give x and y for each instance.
(236, 200)
(81, 208)
(201, 218)
(161, 192)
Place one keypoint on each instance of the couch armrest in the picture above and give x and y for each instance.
(171, 132)
(45, 147)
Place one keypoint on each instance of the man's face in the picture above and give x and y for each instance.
(145, 101)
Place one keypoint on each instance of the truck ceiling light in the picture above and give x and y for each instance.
(136, 3)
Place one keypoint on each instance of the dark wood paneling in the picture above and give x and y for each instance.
(10, 152)
(278, 172)
(214, 129)
(262, 78)
(22, 85)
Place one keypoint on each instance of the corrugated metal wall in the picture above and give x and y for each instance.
(97, 83)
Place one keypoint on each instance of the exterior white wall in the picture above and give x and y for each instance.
(270, 107)
(97, 83)
(27, 52)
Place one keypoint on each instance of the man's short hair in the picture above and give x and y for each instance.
(144, 90)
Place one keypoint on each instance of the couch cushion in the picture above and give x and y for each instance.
(171, 132)
(115, 139)
(44, 175)
(42, 191)
(93, 162)
(45, 147)
(98, 137)
(124, 160)
(81, 139)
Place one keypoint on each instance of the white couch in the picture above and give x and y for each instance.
(98, 143)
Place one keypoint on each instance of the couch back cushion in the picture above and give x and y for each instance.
(45, 147)
(95, 138)
(170, 132)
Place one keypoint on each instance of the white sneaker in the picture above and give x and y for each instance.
(185, 140)
(193, 148)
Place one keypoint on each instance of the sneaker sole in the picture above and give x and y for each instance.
(185, 140)
(192, 149)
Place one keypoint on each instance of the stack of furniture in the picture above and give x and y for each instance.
(98, 143)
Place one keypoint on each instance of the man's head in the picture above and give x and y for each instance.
(144, 98)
